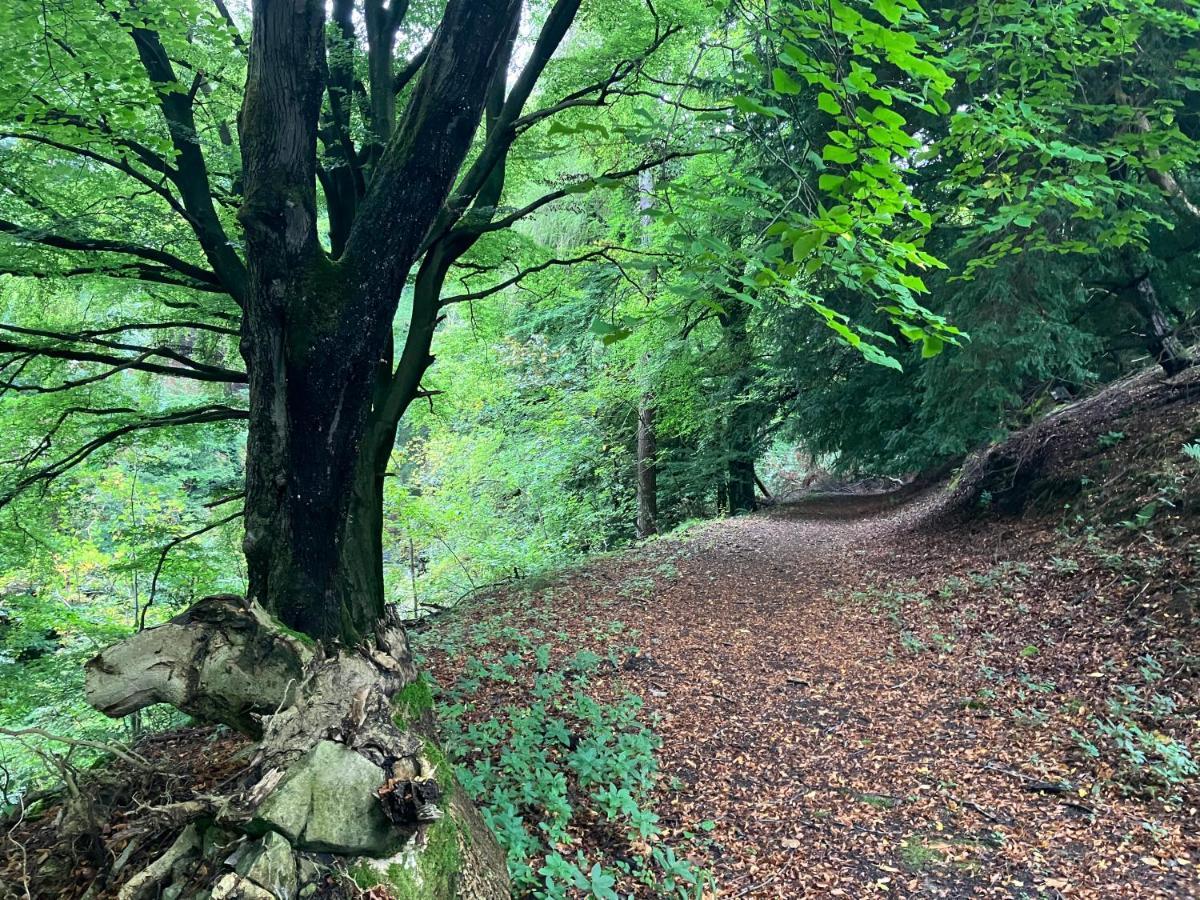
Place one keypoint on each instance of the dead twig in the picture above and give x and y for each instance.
(990, 816)
(128, 756)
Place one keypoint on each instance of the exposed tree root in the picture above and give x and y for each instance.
(1020, 470)
(345, 777)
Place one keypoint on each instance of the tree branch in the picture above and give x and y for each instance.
(117, 164)
(578, 187)
(143, 272)
(602, 253)
(171, 545)
(191, 174)
(596, 94)
(103, 245)
(188, 368)
(199, 415)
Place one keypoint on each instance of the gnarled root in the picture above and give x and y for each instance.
(345, 765)
(220, 661)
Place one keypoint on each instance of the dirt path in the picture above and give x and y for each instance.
(854, 700)
(815, 682)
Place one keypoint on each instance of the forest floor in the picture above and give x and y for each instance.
(891, 696)
(860, 703)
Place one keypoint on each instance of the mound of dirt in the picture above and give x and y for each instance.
(1045, 464)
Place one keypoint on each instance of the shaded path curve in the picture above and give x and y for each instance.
(839, 754)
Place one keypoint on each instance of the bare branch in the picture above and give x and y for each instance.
(411, 68)
(171, 545)
(127, 755)
(535, 205)
(596, 94)
(188, 368)
(103, 245)
(191, 174)
(117, 164)
(145, 273)
(602, 253)
(47, 440)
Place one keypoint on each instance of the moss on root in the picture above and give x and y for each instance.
(426, 869)
(411, 706)
(306, 639)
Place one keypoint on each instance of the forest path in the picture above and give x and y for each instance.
(819, 712)
(858, 698)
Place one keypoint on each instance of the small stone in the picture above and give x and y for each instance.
(233, 886)
(307, 871)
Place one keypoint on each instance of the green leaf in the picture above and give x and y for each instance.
(784, 83)
(931, 346)
(827, 103)
(753, 107)
(830, 183)
(888, 117)
(836, 154)
(873, 354)
(806, 243)
(889, 9)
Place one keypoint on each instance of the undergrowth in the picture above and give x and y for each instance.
(560, 762)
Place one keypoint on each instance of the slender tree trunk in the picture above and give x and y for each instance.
(647, 471)
(741, 421)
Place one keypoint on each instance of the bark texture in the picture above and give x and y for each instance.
(221, 661)
(647, 469)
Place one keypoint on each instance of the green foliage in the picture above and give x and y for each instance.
(555, 761)
(1133, 732)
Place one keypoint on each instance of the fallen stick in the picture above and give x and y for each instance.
(990, 816)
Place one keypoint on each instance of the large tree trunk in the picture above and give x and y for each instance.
(347, 764)
(741, 483)
(317, 333)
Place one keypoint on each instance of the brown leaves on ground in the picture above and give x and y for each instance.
(866, 704)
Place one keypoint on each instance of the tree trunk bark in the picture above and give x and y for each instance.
(1167, 349)
(741, 484)
(316, 333)
(741, 420)
(314, 487)
(647, 469)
